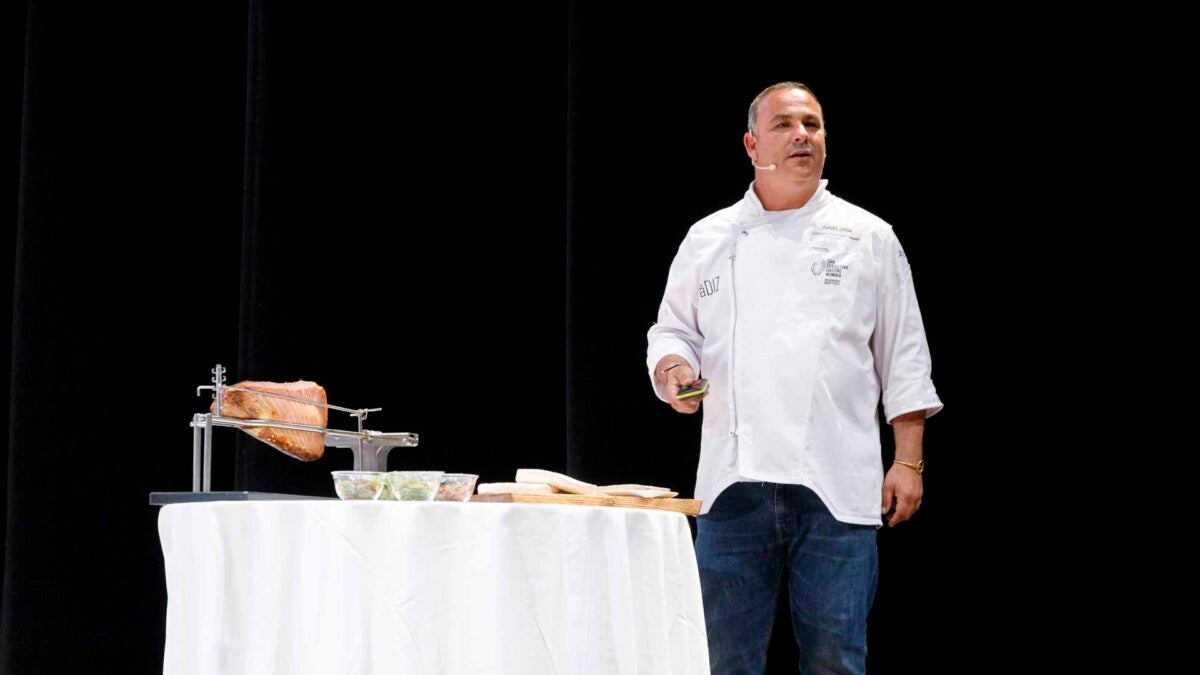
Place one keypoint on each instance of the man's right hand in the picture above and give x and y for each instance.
(673, 372)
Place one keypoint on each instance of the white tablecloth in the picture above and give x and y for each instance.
(327, 587)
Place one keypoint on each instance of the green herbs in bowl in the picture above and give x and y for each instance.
(414, 486)
(358, 484)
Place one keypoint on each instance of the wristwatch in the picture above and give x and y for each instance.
(918, 466)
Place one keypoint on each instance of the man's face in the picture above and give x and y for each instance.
(789, 133)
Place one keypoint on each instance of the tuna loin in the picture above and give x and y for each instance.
(303, 445)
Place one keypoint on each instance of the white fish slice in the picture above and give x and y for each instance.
(558, 480)
(634, 490)
(514, 488)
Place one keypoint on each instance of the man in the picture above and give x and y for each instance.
(799, 310)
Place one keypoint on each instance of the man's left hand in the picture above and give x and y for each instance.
(902, 491)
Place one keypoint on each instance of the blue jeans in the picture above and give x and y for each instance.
(756, 533)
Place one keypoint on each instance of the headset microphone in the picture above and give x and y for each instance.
(769, 167)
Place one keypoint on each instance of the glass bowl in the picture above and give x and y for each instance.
(358, 484)
(414, 486)
(456, 487)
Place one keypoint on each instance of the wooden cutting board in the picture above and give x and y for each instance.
(689, 507)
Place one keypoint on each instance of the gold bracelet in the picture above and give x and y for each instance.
(919, 466)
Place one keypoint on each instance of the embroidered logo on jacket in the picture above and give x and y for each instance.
(710, 286)
(833, 271)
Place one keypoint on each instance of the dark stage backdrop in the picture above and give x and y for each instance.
(466, 218)
(371, 202)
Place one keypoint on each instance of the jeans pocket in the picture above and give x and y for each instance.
(735, 501)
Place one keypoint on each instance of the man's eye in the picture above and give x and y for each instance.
(781, 125)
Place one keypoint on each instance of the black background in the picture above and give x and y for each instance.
(466, 217)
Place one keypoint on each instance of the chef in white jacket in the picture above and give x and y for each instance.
(798, 308)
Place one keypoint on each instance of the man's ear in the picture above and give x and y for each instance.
(751, 144)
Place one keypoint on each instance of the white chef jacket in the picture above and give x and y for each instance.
(800, 320)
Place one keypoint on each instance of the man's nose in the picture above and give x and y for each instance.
(800, 135)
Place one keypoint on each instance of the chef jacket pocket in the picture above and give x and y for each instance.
(826, 279)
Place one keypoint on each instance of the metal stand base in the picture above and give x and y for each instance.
(164, 498)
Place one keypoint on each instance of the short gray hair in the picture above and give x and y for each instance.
(751, 117)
